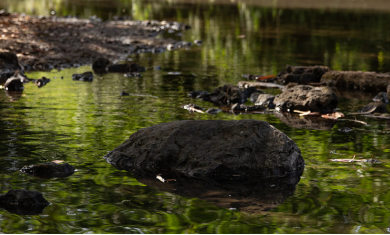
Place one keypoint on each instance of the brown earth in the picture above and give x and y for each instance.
(44, 43)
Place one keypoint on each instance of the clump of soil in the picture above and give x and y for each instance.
(44, 43)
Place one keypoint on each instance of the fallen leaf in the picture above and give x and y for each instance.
(333, 116)
(265, 77)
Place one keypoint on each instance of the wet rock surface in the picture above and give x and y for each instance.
(248, 149)
(15, 83)
(23, 202)
(44, 43)
(41, 81)
(225, 95)
(302, 74)
(357, 80)
(307, 98)
(266, 100)
(103, 65)
(87, 77)
(49, 170)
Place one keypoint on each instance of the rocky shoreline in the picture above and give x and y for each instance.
(45, 43)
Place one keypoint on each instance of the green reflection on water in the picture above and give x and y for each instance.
(79, 122)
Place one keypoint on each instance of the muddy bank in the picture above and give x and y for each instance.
(44, 43)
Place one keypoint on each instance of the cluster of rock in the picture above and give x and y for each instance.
(27, 202)
(302, 74)
(300, 97)
(103, 65)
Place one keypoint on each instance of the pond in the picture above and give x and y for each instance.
(79, 122)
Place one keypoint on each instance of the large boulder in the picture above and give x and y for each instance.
(23, 202)
(306, 98)
(244, 149)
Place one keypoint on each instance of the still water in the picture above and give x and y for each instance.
(80, 122)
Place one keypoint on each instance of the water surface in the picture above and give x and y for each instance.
(79, 122)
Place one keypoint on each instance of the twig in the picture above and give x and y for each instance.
(361, 122)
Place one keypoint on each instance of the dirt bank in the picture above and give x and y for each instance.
(44, 43)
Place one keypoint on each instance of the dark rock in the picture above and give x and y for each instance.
(213, 111)
(302, 74)
(41, 65)
(100, 65)
(266, 100)
(254, 97)
(357, 80)
(242, 108)
(210, 149)
(307, 122)
(198, 42)
(9, 64)
(381, 97)
(198, 94)
(388, 92)
(248, 92)
(15, 83)
(87, 77)
(345, 129)
(49, 170)
(41, 82)
(125, 68)
(23, 202)
(133, 75)
(306, 98)
(377, 107)
(227, 95)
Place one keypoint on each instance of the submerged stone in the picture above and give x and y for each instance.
(87, 76)
(49, 170)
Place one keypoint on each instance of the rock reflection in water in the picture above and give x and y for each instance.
(254, 196)
(23, 202)
(14, 95)
(307, 122)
